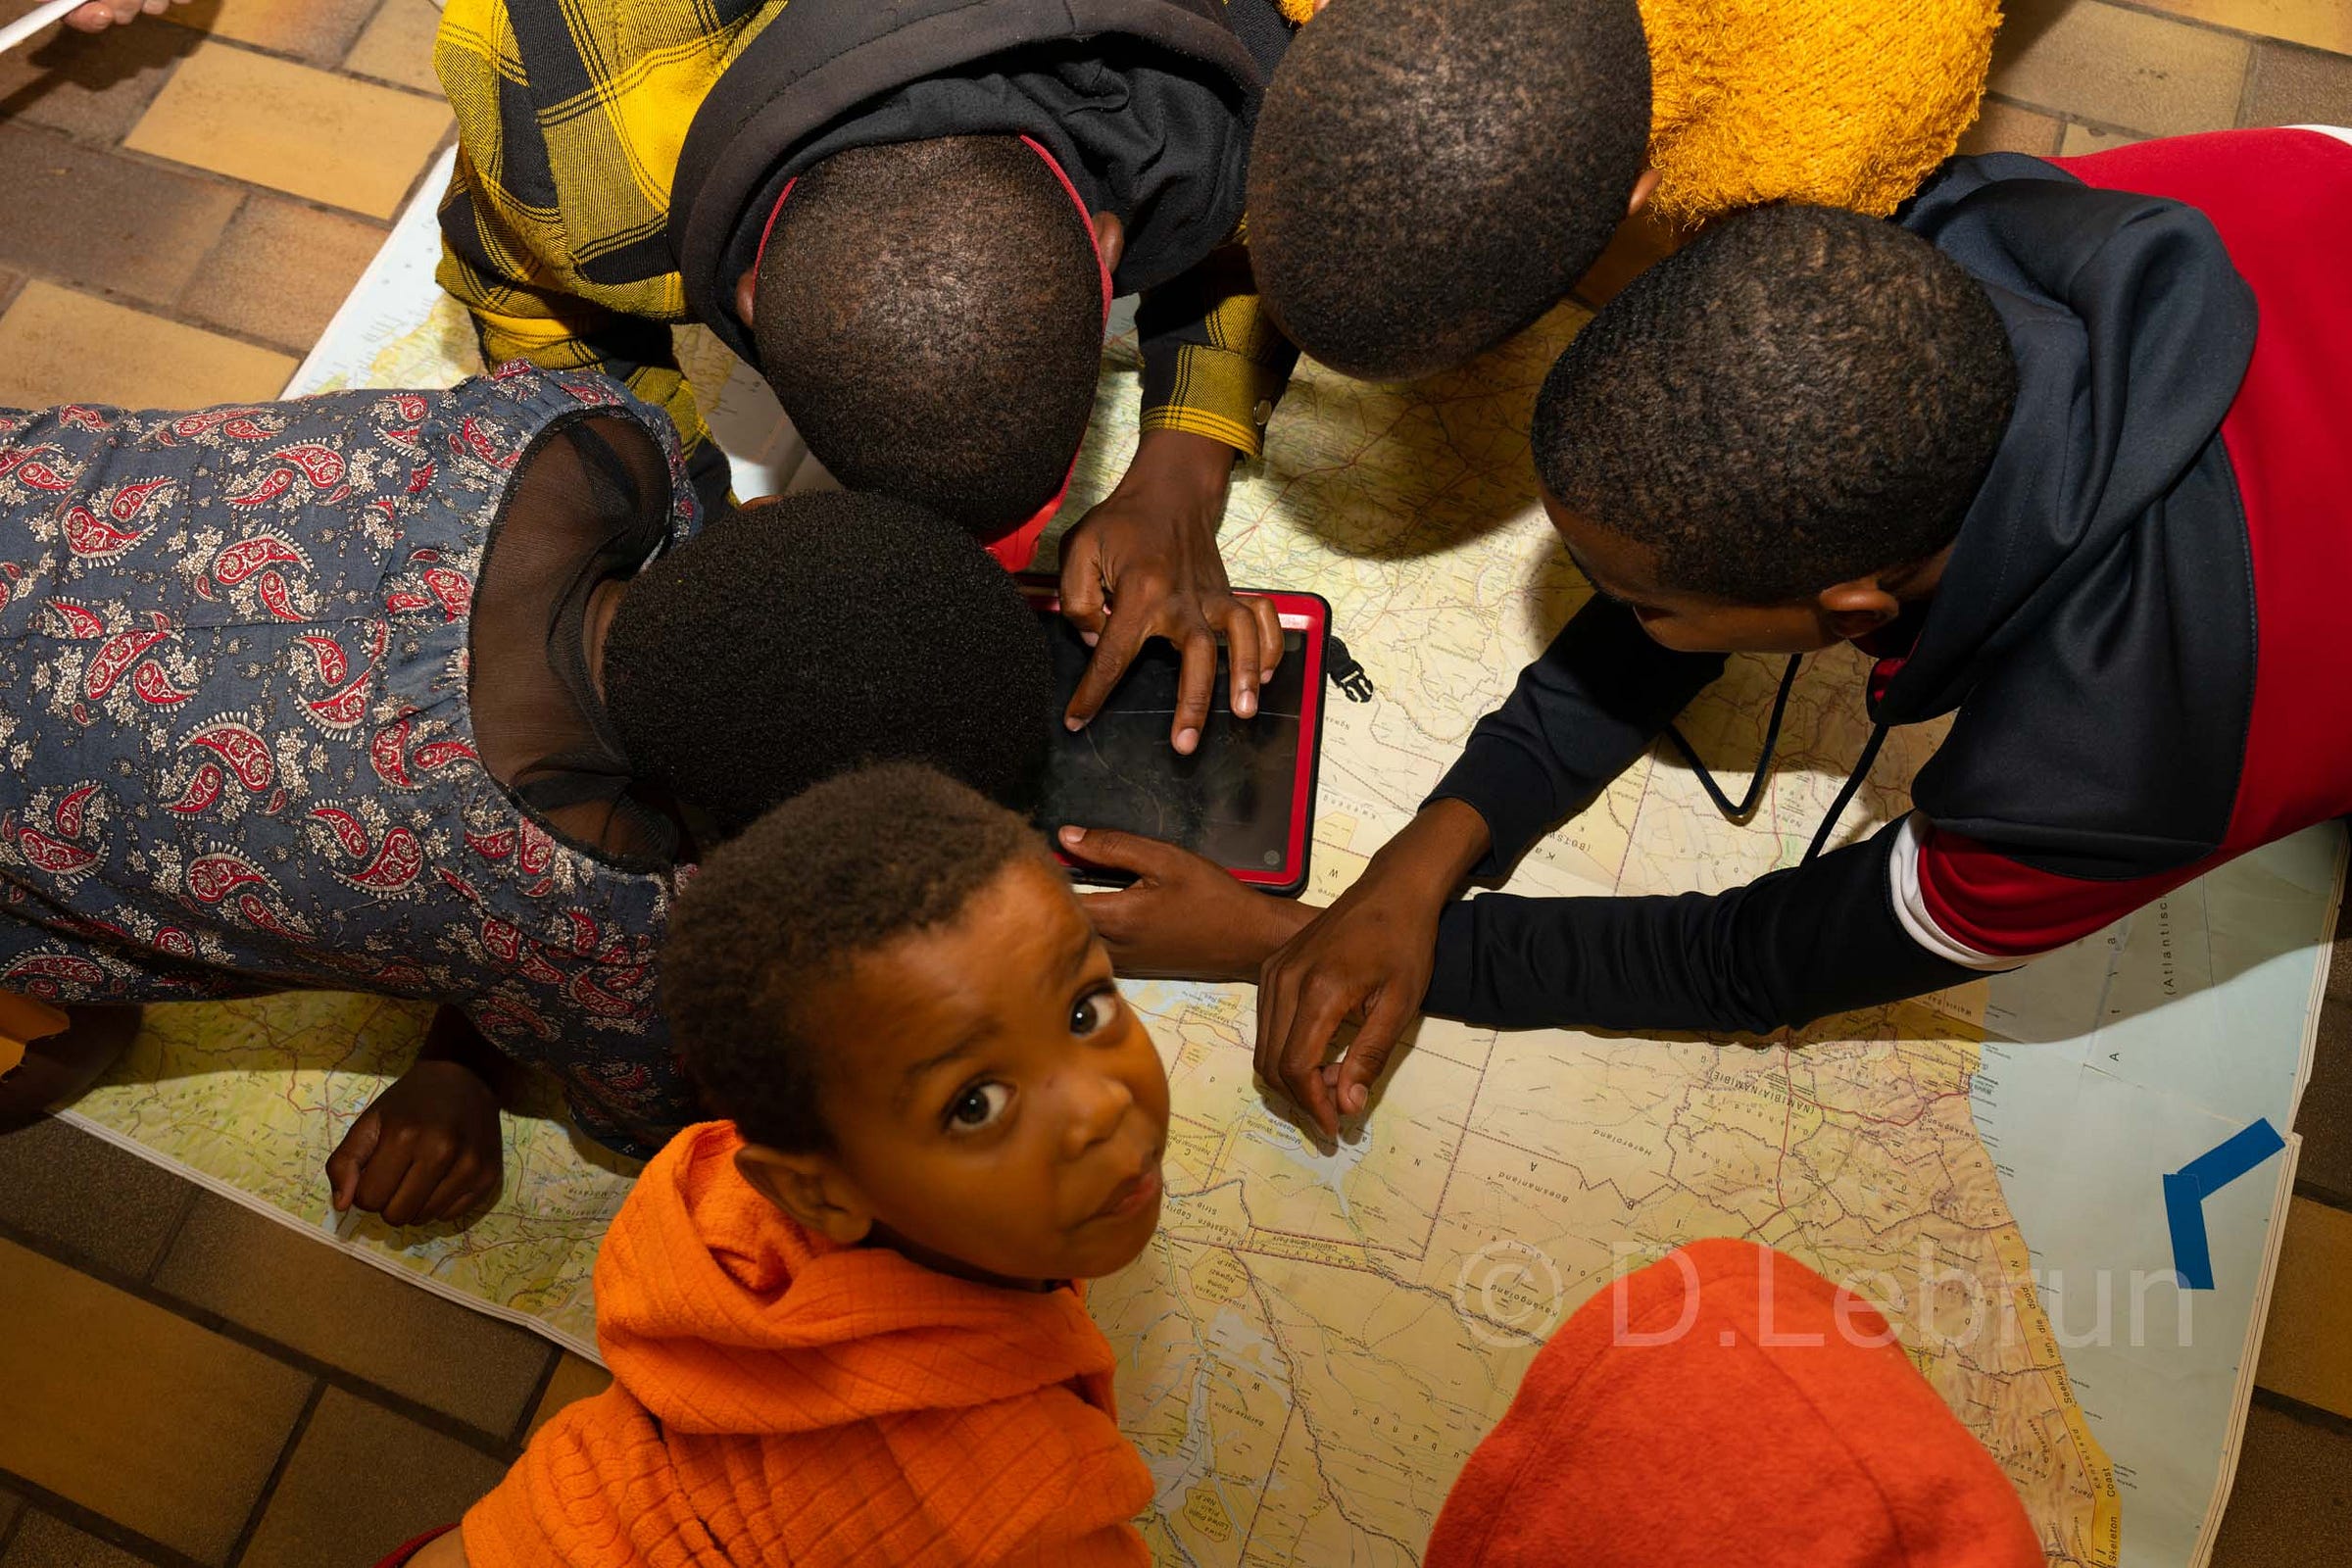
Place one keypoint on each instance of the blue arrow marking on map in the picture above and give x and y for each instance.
(2187, 1189)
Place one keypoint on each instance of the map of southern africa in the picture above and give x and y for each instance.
(1314, 1341)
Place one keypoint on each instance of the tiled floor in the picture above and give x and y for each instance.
(185, 1384)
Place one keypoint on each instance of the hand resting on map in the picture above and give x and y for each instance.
(428, 1148)
(1366, 959)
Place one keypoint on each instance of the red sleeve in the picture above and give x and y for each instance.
(1976, 906)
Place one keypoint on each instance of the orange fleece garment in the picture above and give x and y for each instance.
(778, 1399)
(1749, 1413)
(1848, 102)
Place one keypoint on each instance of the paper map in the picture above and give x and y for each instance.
(1314, 1343)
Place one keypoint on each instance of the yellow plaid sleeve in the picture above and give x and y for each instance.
(1213, 363)
(569, 123)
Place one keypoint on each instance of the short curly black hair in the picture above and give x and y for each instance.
(1429, 176)
(783, 910)
(791, 641)
(1801, 397)
(930, 315)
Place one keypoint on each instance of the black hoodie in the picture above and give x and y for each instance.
(1148, 105)
(2095, 630)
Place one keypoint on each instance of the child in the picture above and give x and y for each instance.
(843, 1326)
(1614, 1451)
(909, 217)
(2066, 451)
(430, 693)
(1428, 176)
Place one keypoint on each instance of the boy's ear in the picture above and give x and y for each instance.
(746, 289)
(1110, 238)
(1642, 187)
(1858, 607)
(810, 1189)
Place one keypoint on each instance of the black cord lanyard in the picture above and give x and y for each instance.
(1749, 801)
(1755, 785)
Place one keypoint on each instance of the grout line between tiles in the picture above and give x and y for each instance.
(2311, 1415)
(492, 1444)
(204, 35)
(166, 313)
(530, 1407)
(187, 1207)
(2069, 116)
(2246, 105)
(2325, 1197)
(277, 1471)
(2203, 25)
(90, 1523)
(214, 177)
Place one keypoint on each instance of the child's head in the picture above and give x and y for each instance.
(1767, 443)
(1429, 176)
(889, 988)
(797, 638)
(930, 315)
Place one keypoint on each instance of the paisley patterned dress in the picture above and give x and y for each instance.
(237, 751)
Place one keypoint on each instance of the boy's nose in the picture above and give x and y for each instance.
(1098, 1104)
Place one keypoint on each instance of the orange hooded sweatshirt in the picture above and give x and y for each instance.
(778, 1399)
(1728, 1405)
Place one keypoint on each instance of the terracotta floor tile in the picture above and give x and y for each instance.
(100, 220)
(577, 1378)
(2008, 128)
(280, 270)
(2293, 86)
(295, 1289)
(2081, 139)
(46, 1542)
(2292, 1504)
(315, 31)
(135, 1413)
(398, 45)
(61, 1185)
(361, 1481)
(2125, 68)
(2321, 24)
(57, 346)
(2307, 1342)
(94, 86)
(350, 144)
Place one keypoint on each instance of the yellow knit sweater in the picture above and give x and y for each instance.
(1848, 103)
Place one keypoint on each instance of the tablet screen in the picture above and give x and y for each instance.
(1232, 800)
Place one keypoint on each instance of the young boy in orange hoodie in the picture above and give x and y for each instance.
(844, 1327)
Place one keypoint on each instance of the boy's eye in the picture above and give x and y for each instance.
(1093, 1011)
(979, 1106)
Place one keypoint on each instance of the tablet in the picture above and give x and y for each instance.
(1245, 798)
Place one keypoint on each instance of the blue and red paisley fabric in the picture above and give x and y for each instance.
(237, 750)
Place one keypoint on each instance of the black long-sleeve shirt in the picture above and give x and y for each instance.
(1786, 949)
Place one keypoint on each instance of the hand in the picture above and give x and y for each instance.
(427, 1148)
(1184, 917)
(99, 14)
(1367, 956)
(1144, 564)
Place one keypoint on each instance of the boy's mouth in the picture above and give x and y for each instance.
(1132, 1196)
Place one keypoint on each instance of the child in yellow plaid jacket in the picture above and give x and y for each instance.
(962, 177)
